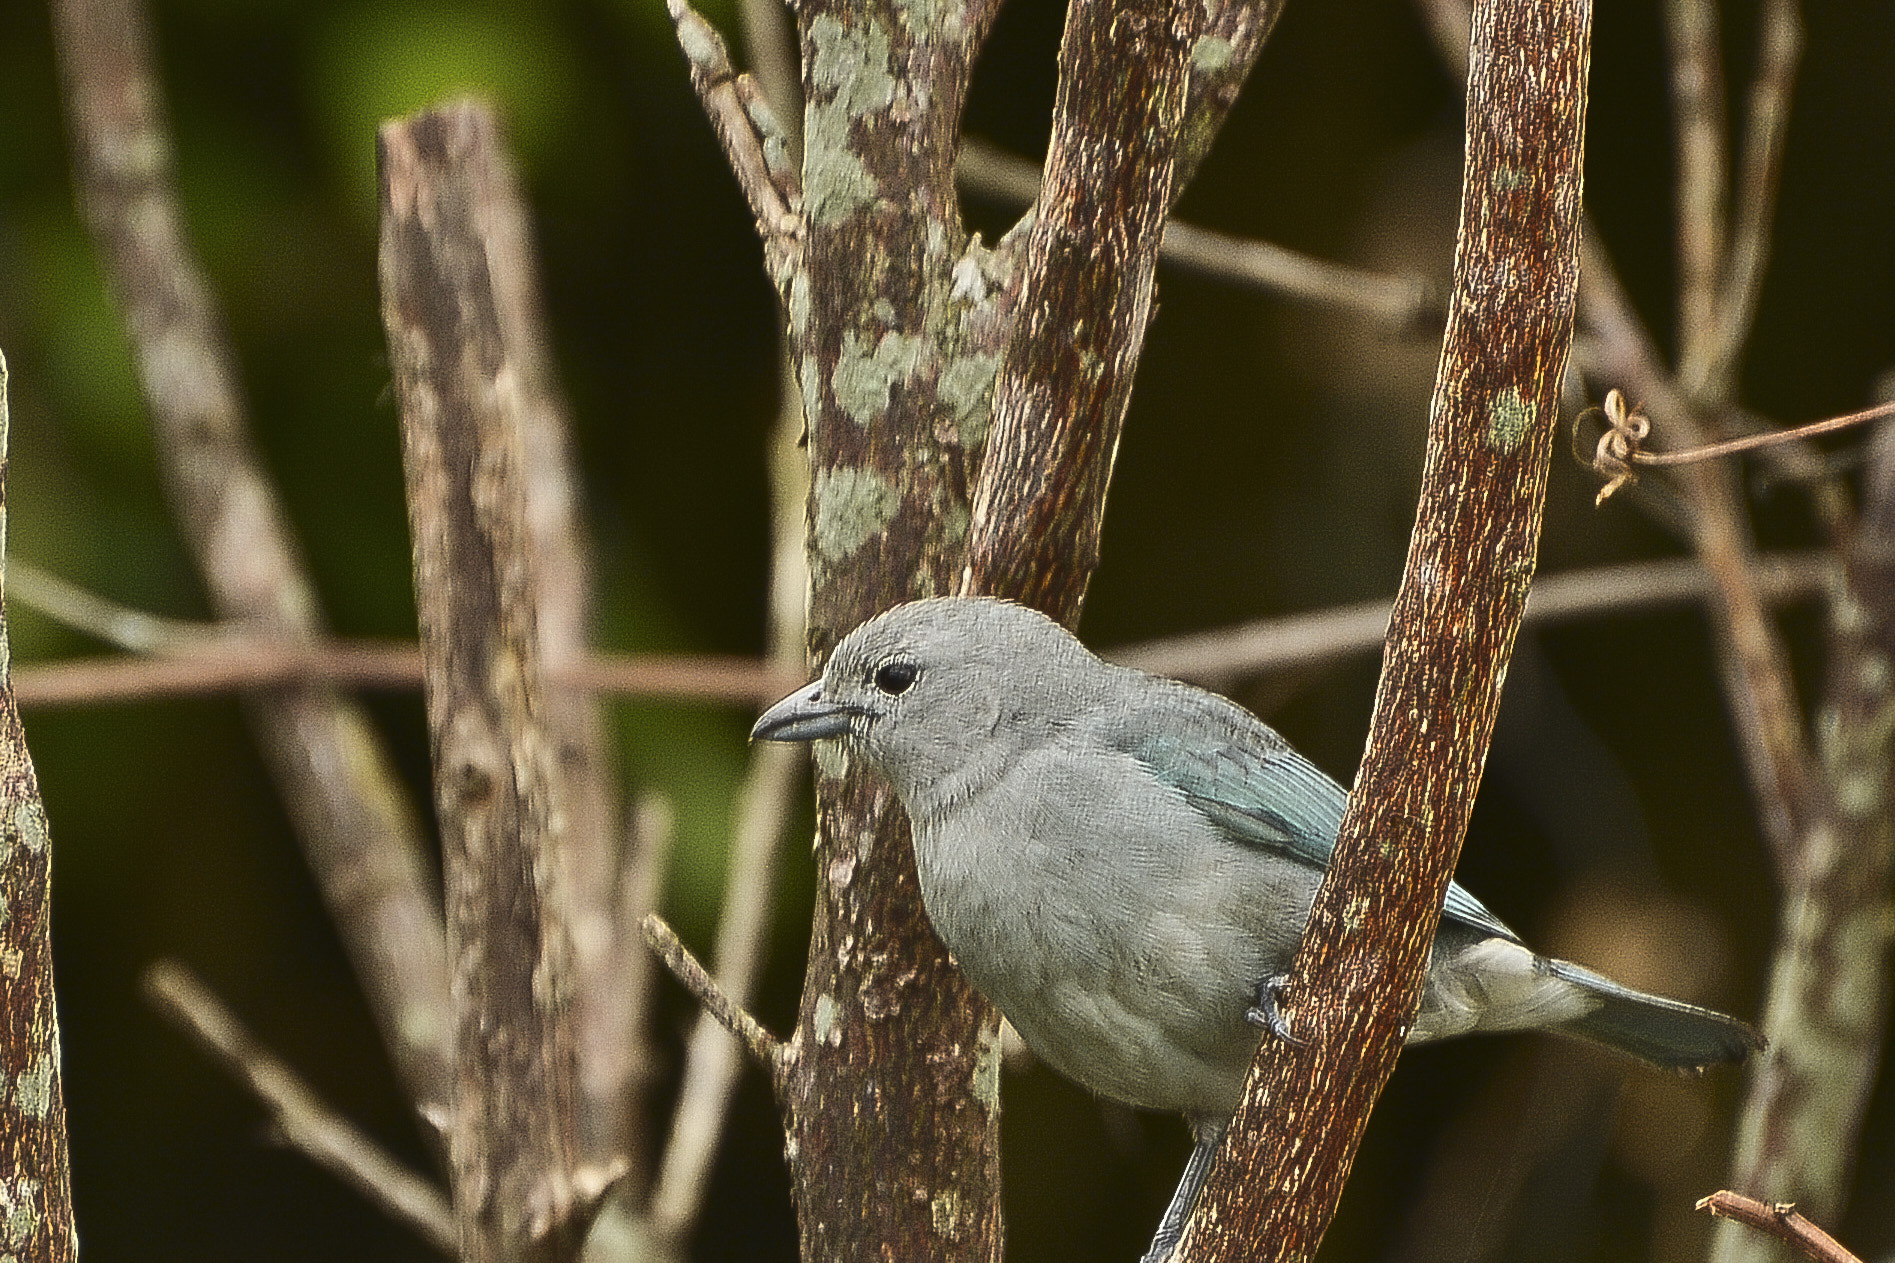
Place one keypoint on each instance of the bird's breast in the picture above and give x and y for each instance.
(1117, 930)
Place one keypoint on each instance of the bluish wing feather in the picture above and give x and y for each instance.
(1251, 784)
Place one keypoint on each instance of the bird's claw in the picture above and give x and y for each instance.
(1267, 1014)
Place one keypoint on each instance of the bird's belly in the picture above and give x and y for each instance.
(1126, 966)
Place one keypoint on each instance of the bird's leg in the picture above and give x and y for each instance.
(1209, 1133)
(1267, 1013)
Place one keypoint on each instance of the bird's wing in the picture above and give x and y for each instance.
(1249, 782)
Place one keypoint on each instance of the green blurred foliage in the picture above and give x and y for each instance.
(1269, 465)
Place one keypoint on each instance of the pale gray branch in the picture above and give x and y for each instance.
(360, 834)
(1401, 301)
(306, 1122)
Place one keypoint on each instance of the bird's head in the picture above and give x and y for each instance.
(934, 692)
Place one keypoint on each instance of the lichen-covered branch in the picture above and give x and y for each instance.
(35, 1185)
(890, 1096)
(1355, 982)
(1828, 1004)
(359, 831)
(498, 781)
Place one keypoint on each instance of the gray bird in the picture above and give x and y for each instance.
(1123, 864)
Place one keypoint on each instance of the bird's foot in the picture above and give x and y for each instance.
(1267, 1013)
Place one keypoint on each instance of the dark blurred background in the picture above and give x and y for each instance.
(1270, 465)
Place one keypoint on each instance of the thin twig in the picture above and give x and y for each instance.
(775, 63)
(763, 811)
(1753, 659)
(1295, 640)
(758, 1042)
(1781, 1221)
(304, 1119)
(235, 664)
(1767, 126)
(1620, 446)
(102, 618)
(1305, 640)
(759, 151)
(359, 831)
(1401, 301)
(651, 835)
(1697, 124)
(711, 1063)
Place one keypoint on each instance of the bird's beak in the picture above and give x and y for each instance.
(804, 716)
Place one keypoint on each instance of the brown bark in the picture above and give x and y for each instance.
(35, 1187)
(1355, 982)
(498, 781)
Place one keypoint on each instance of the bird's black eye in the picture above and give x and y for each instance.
(895, 678)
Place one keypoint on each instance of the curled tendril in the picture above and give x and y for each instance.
(1626, 429)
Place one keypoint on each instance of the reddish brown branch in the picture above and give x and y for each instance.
(1780, 1220)
(1065, 380)
(1355, 983)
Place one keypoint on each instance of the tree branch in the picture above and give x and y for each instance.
(1303, 640)
(1697, 128)
(216, 663)
(499, 787)
(609, 1038)
(305, 1121)
(895, 319)
(760, 152)
(359, 832)
(1782, 1221)
(1400, 301)
(1356, 980)
(1065, 380)
(1766, 129)
(758, 1042)
(1828, 1001)
(763, 813)
(35, 1179)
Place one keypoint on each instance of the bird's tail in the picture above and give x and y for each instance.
(1669, 1034)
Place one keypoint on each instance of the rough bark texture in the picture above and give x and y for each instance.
(898, 321)
(1065, 380)
(1226, 47)
(358, 829)
(35, 1190)
(496, 772)
(891, 1107)
(1829, 986)
(610, 1028)
(1355, 983)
